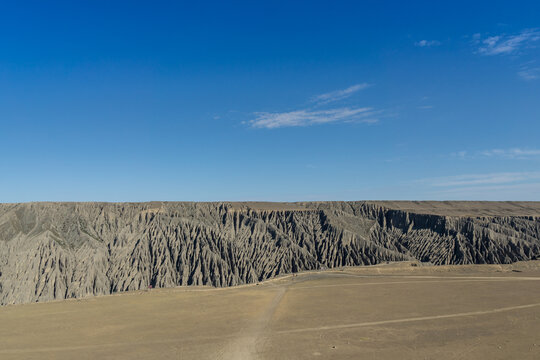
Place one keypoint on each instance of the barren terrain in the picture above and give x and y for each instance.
(386, 311)
(52, 251)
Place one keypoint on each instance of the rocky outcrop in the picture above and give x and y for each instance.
(70, 250)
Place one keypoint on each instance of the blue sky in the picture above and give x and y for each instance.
(277, 101)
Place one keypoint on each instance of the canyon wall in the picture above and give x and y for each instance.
(70, 250)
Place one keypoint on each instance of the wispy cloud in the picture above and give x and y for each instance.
(483, 179)
(506, 44)
(528, 73)
(499, 192)
(319, 112)
(308, 117)
(427, 43)
(491, 186)
(461, 154)
(512, 153)
(339, 94)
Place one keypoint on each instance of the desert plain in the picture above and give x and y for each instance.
(402, 310)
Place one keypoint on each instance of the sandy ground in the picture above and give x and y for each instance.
(382, 312)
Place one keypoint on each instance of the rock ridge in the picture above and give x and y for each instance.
(70, 250)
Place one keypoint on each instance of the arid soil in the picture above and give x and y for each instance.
(51, 251)
(386, 311)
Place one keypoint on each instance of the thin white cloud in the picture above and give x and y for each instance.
(512, 153)
(339, 94)
(483, 179)
(427, 43)
(309, 117)
(529, 73)
(461, 154)
(506, 44)
(490, 186)
(318, 113)
(502, 192)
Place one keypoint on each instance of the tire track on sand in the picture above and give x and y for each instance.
(244, 347)
(397, 321)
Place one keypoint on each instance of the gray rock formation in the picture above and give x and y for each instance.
(70, 250)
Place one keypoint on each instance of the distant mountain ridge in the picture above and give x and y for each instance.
(70, 250)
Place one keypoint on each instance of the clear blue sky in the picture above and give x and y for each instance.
(269, 100)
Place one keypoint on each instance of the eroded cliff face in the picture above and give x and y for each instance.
(69, 250)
